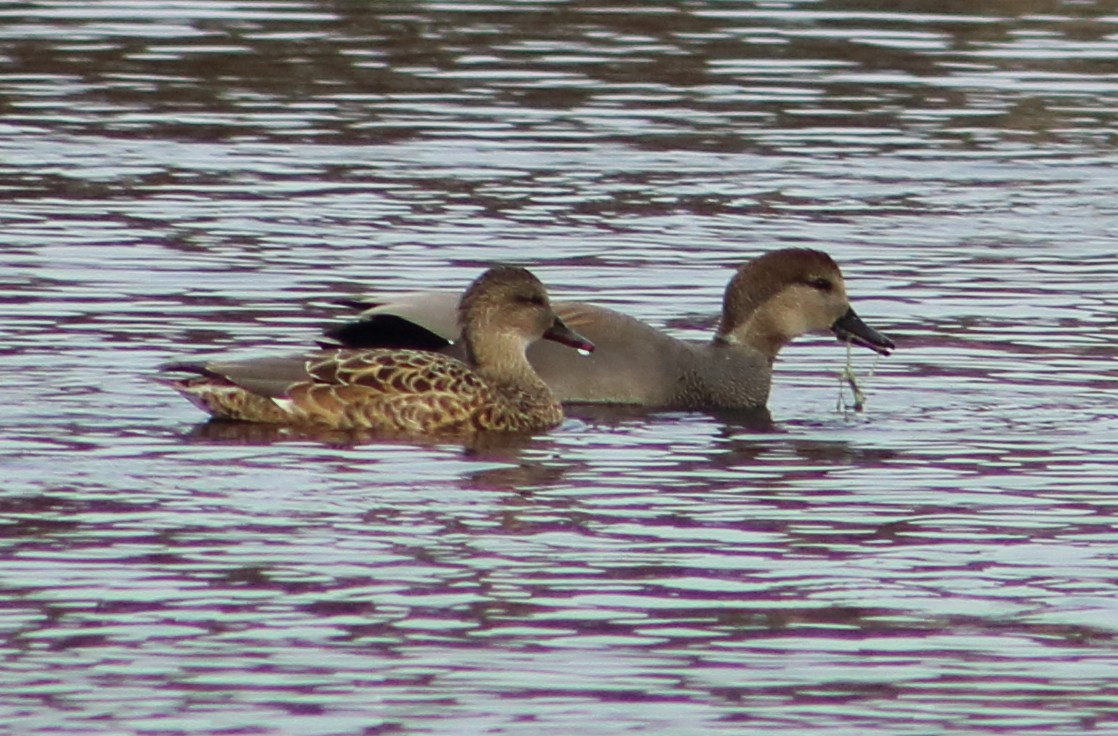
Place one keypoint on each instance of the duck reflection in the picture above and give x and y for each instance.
(491, 445)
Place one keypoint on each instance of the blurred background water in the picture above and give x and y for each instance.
(197, 177)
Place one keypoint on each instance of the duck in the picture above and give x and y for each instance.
(770, 300)
(491, 387)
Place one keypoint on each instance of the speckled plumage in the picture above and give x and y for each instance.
(404, 391)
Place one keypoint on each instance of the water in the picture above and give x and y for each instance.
(200, 177)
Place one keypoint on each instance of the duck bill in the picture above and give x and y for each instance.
(559, 332)
(850, 328)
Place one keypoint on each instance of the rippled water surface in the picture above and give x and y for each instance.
(188, 178)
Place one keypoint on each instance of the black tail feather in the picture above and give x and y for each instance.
(384, 331)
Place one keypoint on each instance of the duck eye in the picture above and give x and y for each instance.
(534, 300)
(821, 284)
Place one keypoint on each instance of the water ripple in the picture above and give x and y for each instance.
(204, 177)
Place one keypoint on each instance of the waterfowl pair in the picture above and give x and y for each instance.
(770, 300)
(493, 387)
(379, 372)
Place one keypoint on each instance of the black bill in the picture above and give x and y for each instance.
(560, 333)
(850, 328)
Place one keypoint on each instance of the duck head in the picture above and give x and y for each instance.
(783, 294)
(504, 311)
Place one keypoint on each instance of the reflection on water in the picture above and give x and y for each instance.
(500, 444)
(197, 178)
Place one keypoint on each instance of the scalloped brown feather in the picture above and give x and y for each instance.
(401, 391)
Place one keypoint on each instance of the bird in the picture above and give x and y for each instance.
(491, 387)
(770, 300)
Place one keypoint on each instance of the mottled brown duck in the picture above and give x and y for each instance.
(770, 300)
(403, 391)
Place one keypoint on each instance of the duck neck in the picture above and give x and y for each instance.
(755, 334)
(501, 360)
(765, 327)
